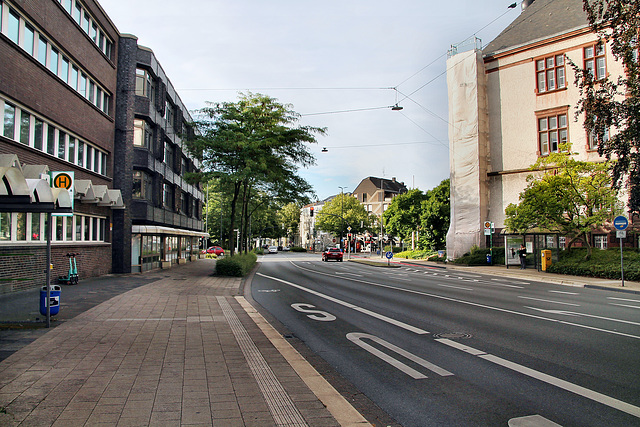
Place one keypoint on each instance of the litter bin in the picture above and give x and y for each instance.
(488, 258)
(54, 298)
(546, 259)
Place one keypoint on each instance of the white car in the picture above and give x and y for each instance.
(273, 249)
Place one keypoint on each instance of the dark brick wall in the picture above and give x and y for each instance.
(24, 267)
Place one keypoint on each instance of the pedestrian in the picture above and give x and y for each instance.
(523, 257)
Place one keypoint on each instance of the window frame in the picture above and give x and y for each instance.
(593, 58)
(549, 130)
(547, 66)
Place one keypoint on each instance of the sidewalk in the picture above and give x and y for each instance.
(515, 273)
(181, 347)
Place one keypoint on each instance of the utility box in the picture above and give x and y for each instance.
(546, 259)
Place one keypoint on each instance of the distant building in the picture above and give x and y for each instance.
(375, 194)
(512, 103)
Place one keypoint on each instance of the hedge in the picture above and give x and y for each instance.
(478, 256)
(237, 265)
(297, 249)
(604, 264)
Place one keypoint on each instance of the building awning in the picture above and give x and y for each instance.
(156, 229)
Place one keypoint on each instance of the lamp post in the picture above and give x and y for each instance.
(341, 214)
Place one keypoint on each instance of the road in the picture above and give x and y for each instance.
(435, 347)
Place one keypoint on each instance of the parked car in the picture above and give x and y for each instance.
(273, 249)
(286, 248)
(332, 253)
(214, 250)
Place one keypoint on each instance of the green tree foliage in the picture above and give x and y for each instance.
(435, 217)
(569, 197)
(254, 147)
(402, 217)
(615, 105)
(289, 217)
(330, 217)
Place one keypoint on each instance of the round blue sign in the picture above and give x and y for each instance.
(620, 223)
(389, 255)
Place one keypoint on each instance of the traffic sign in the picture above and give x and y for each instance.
(620, 223)
(621, 234)
(389, 255)
(64, 180)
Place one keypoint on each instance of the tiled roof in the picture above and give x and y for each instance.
(388, 185)
(540, 20)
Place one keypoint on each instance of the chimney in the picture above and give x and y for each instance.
(393, 179)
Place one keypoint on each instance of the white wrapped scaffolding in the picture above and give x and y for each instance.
(468, 151)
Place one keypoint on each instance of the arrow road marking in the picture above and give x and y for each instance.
(565, 385)
(356, 338)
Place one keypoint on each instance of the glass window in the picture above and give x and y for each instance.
(94, 229)
(83, 85)
(38, 134)
(94, 33)
(77, 12)
(85, 22)
(99, 98)
(13, 29)
(62, 144)
(21, 226)
(103, 158)
(78, 219)
(139, 130)
(102, 224)
(64, 69)
(35, 226)
(552, 131)
(51, 139)
(29, 39)
(105, 103)
(25, 127)
(80, 153)
(53, 61)
(9, 120)
(5, 226)
(89, 157)
(92, 88)
(600, 241)
(74, 78)
(96, 160)
(67, 6)
(59, 227)
(87, 228)
(68, 228)
(550, 73)
(71, 152)
(42, 51)
(594, 61)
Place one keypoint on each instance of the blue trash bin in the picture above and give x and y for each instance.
(54, 297)
(488, 258)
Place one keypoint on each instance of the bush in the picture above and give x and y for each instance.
(237, 265)
(478, 256)
(416, 254)
(258, 251)
(297, 249)
(604, 264)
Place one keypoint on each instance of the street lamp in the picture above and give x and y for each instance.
(341, 213)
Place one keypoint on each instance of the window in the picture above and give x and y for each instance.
(96, 160)
(169, 114)
(94, 33)
(9, 120)
(105, 103)
(74, 78)
(29, 39)
(550, 73)
(83, 85)
(89, 164)
(600, 241)
(593, 142)
(85, 22)
(141, 133)
(68, 228)
(51, 139)
(552, 131)
(64, 70)
(62, 142)
(92, 89)
(144, 83)
(77, 13)
(99, 98)
(38, 134)
(80, 153)
(142, 185)
(25, 127)
(13, 29)
(21, 226)
(71, 152)
(168, 196)
(5, 226)
(594, 61)
(42, 51)
(53, 61)
(168, 154)
(67, 6)
(35, 226)
(103, 159)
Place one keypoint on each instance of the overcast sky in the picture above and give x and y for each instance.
(326, 56)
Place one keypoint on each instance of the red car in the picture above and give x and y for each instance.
(214, 250)
(332, 253)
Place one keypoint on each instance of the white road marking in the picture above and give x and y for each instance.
(505, 285)
(382, 317)
(624, 305)
(356, 338)
(455, 287)
(350, 274)
(624, 299)
(557, 382)
(549, 301)
(532, 421)
(319, 315)
(565, 293)
(473, 304)
(510, 281)
(570, 313)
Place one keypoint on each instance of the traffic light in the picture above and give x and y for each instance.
(311, 211)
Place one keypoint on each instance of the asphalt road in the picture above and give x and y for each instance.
(432, 347)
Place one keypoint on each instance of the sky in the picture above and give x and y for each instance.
(340, 64)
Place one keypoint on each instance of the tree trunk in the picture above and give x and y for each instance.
(236, 193)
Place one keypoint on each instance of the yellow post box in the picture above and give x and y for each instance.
(546, 259)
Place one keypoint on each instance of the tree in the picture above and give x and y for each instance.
(289, 217)
(435, 217)
(402, 217)
(254, 146)
(339, 213)
(570, 197)
(607, 104)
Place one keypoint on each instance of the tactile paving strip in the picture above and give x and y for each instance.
(280, 404)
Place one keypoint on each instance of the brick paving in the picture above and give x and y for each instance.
(162, 354)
